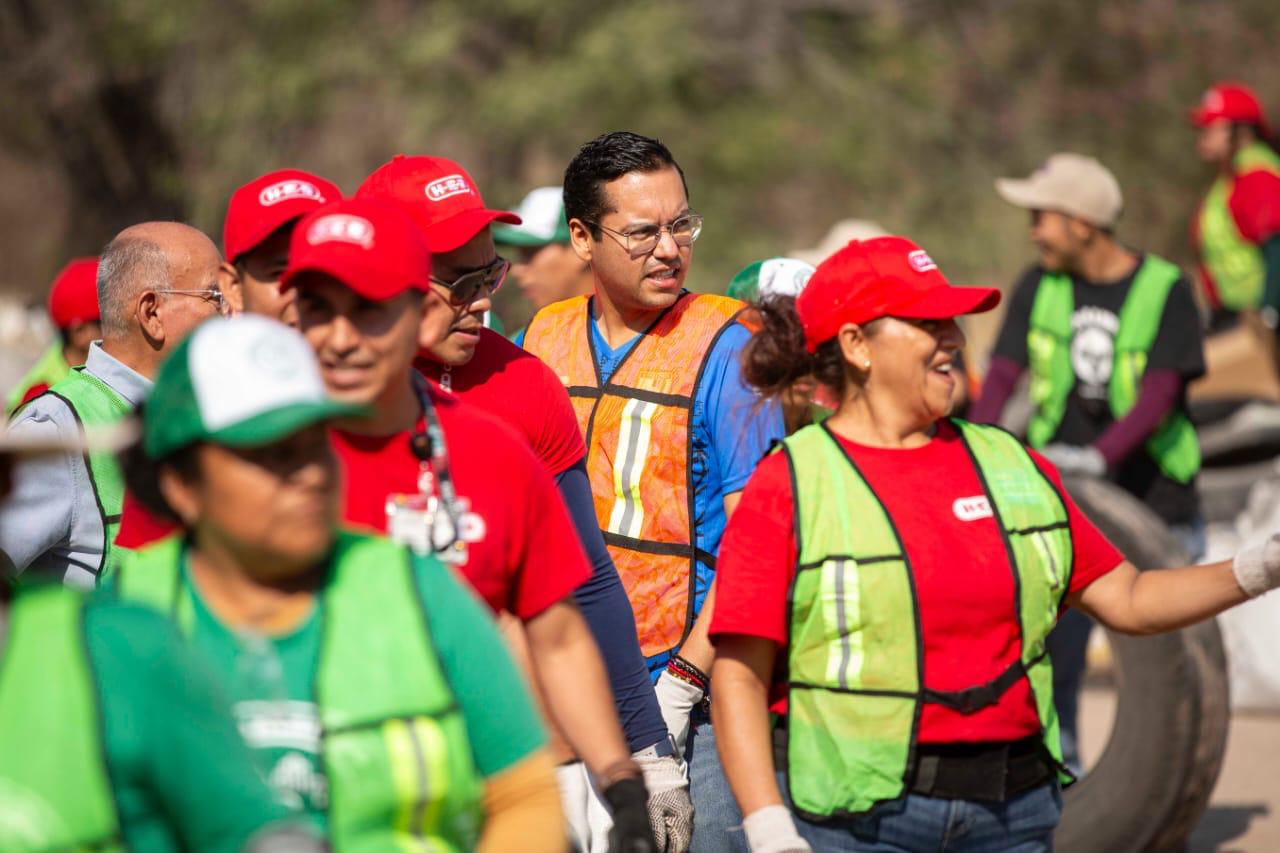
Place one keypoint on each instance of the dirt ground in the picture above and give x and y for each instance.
(1244, 813)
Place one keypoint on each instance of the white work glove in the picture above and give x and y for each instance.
(1257, 567)
(1070, 459)
(670, 808)
(677, 699)
(771, 830)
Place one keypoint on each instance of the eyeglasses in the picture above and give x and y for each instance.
(643, 240)
(208, 295)
(470, 286)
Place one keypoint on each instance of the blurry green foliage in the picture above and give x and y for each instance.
(787, 115)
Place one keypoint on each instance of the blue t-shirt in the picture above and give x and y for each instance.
(732, 431)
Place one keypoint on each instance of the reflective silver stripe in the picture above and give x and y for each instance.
(842, 624)
(627, 516)
(418, 823)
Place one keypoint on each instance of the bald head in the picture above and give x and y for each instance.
(151, 256)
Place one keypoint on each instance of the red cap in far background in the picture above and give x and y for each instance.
(371, 245)
(264, 204)
(1233, 101)
(439, 195)
(882, 277)
(74, 295)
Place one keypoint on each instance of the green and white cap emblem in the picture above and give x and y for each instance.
(542, 220)
(772, 277)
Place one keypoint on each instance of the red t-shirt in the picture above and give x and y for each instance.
(963, 578)
(517, 388)
(1255, 204)
(527, 556)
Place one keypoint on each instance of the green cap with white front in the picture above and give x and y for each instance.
(542, 220)
(243, 381)
(771, 277)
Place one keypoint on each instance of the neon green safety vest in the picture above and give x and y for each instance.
(1236, 265)
(395, 747)
(855, 660)
(51, 369)
(1173, 445)
(94, 404)
(51, 798)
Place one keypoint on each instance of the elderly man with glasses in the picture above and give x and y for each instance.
(156, 282)
(672, 432)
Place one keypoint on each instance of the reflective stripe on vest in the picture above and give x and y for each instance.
(1173, 446)
(855, 660)
(639, 436)
(395, 746)
(1234, 263)
(55, 792)
(94, 404)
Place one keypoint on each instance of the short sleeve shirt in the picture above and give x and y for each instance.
(963, 577)
(522, 552)
(517, 388)
(1178, 347)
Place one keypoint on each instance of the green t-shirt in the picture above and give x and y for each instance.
(271, 682)
(182, 778)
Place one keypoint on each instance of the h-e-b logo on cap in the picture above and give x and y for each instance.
(447, 187)
(341, 228)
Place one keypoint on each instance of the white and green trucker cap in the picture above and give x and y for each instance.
(243, 381)
(770, 277)
(542, 220)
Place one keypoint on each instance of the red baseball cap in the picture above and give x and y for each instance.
(439, 195)
(73, 298)
(370, 245)
(264, 204)
(1233, 101)
(882, 277)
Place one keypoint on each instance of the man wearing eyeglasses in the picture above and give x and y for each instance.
(672, 431)
(156, 282)
(483, 368)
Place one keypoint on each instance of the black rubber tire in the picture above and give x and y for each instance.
(1152, 784)
(1249, 434)
(1224, 492)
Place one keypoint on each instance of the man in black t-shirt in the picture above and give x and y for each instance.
(1111, 337)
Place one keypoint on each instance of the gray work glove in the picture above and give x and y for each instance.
(1070, 459)
(670, 808)
(771, 830)
(1257, 566)
(677, 699)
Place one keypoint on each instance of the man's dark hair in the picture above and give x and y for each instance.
(604, 159)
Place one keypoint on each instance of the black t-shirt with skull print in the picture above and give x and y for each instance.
(1178, 346)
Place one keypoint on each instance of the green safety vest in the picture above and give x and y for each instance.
(51, 369)
(1173, 445)
(94, 404)
(52, 798)
(1236, 265)
(395, 748)
(855, 665)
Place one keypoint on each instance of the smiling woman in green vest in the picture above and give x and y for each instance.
(351, 661)
(889, 579)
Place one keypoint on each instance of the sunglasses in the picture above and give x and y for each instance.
(470, 286)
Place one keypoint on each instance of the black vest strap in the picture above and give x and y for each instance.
(974, 699)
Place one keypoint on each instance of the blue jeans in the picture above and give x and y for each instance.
(916, 824)
(717, 821)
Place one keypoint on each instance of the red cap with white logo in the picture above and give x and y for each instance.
(1233, 101)
(882, 277)
(272, 201)
(74, 295)
(370, 245)
(439, 195)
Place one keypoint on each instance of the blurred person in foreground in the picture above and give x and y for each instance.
(351, 661)
(889, 579)
(672, 432)
(73, 309)
(79, 676)
(1111, 336)
(482, 367)
(544, 265)
(440, 475)
(255, 239)
(156, 282)
(1236, 232)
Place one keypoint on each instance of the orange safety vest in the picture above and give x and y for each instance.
(639, 434)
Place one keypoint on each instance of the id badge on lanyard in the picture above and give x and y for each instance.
(429, 521)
